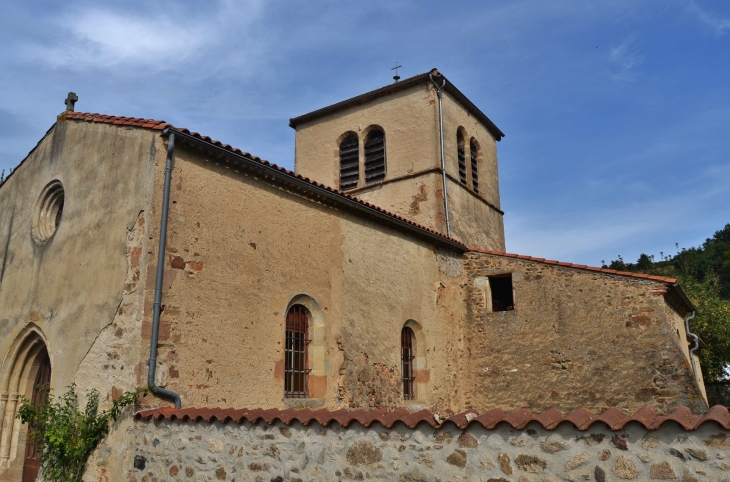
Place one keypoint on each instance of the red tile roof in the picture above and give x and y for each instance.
(662, 279)
(161, 125)
(582, 419)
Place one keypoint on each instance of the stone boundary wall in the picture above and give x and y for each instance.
(212, 451)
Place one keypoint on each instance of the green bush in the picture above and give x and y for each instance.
(67, 435)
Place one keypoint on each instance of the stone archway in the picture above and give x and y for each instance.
(25, 369)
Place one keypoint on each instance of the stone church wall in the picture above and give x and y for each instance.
(575, 338)
(413, 183)
(76, 291)
(241, 251)
(173, 450)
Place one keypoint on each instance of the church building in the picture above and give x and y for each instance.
(375, 276)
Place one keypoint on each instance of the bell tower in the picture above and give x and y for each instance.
(384, 147)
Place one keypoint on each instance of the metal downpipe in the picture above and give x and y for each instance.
(694, 348)
(156, 307)
(443, 159)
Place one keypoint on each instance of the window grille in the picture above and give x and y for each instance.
(462, 162)
(474, 169)
(297, 339)
(375, 156)
(349, 162)
(407, 356)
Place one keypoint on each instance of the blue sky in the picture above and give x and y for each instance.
(616, 113)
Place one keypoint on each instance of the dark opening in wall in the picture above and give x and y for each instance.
(502, 294)
(375, 156)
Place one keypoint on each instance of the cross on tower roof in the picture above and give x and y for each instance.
(70, 101)
(396, 77)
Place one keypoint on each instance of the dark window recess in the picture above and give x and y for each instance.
(462, 161)
(474, 168)
(297, 339)
(502, 294)
(406, 357)
(375, 157)
(349, 162)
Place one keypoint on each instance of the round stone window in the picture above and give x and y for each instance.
(48, 212)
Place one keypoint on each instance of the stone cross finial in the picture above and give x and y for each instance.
(70, 101)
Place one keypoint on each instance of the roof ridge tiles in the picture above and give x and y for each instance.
(550, 419)
(565, 264)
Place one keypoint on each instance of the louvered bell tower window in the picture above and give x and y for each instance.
(407, 356)
(462, 159)
(375, 156)
(297, 339)
(349, 162)
(474, 169)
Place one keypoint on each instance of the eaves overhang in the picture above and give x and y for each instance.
(398, 87)
(274, 173)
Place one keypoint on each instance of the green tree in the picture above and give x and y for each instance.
(67, 435)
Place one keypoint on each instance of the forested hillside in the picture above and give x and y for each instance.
(704, 274)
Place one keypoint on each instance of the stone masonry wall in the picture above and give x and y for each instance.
(575, 338)
(202, 451)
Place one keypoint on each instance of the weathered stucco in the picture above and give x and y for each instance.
(71, 288)
(241, 251)
(261, 452)
(413, 183)
(576, 338)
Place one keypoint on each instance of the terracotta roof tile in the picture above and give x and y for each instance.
(581, 419)
(160, 125)
(576, 266)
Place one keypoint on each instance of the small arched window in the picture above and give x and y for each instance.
(296, 363)
(462, 157)
(349, 162)
(407, 355)
(374, 156)
(474, 148)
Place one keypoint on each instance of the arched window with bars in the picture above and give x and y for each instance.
(462, 156)
(349, 161)
(375, 156)
(408, 354)
(474, 148)
(296, 368)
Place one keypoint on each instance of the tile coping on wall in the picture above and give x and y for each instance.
(582, 418)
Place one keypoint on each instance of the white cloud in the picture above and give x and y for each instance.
(102, 38)
(718, 24)
(624, 59)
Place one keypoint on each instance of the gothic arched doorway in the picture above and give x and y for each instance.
(32, 463)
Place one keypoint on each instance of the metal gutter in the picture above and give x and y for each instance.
(316, 189)
(156, 307)
(439, 92)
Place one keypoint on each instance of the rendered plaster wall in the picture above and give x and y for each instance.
(473, 222)
(242, 251)
(263, 453)
(418, 198)
(408, 119)
(576, 338)
(413, 184)
(456, 118)
(77, 286)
